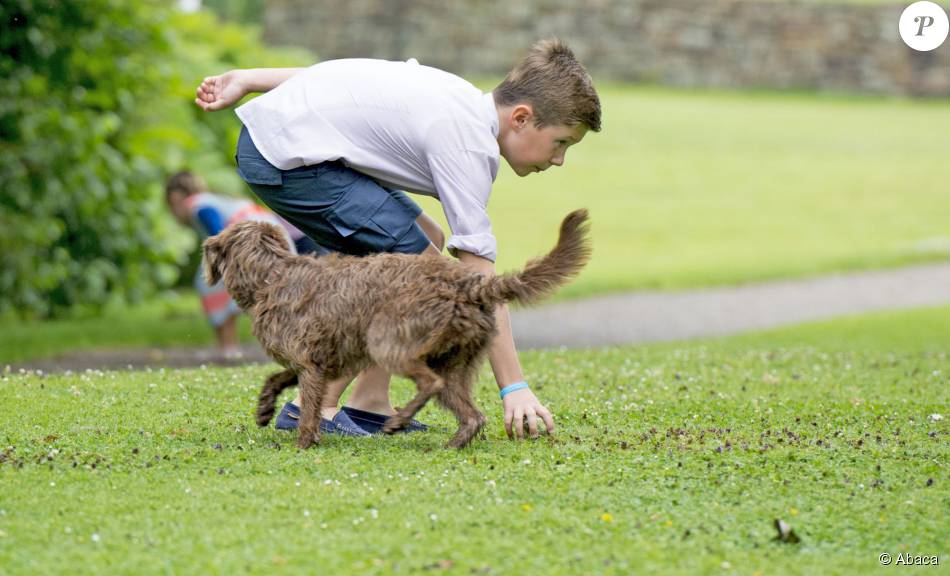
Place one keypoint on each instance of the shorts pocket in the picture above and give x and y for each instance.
(394, 218)
(378, 229)
(352, 211)
(261, 172)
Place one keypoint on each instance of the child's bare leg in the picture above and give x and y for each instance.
(371, 393)
(227, 335)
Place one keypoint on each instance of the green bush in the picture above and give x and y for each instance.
(95, 110)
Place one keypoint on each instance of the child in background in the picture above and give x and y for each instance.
(208, 214)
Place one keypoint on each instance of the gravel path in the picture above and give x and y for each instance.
(660, 316)
(636, 317)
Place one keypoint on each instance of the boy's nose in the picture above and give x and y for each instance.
(558, 160)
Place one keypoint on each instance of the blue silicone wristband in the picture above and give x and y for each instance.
(511, 388)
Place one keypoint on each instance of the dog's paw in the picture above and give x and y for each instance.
(458, 442)
(307, 440)
(466, 432)
(394, 424)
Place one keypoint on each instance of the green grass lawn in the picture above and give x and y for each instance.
(173, 320)
(673, 459)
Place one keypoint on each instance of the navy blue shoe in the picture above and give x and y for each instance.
(373, 423)
(289, 418)
(342, 425)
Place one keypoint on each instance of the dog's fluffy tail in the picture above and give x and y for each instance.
(542, 276)
(273, 386)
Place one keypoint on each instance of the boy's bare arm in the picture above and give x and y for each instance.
(521, 406)
(225, 90)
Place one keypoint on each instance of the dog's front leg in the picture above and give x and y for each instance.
(312, 386)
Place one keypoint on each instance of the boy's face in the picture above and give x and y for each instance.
(529, 149)
(178, 206)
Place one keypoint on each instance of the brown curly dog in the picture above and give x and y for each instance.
(427, 318)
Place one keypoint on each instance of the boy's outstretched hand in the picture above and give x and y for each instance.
(522, 406)
(218, 92)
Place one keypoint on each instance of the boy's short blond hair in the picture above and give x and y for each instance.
(555, 84)
(185, 181)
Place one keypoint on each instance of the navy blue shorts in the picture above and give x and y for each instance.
(337, 207)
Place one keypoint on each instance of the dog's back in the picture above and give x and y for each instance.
(317, 305)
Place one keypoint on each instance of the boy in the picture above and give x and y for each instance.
(330, 147)
(194, 206)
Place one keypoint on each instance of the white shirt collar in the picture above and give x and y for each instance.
(492, 113)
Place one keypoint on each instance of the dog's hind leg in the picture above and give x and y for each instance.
(457, 397)
(273, 386)
(312, 388)
(428, 383)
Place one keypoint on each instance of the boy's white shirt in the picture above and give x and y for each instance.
(408, 126)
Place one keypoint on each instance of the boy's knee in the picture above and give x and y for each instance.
(432, 231)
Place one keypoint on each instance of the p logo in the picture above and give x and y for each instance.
(923, 26)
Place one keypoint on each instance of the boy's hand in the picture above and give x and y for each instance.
(223, 91)
(521, 406)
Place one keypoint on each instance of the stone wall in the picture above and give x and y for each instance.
(749, 43)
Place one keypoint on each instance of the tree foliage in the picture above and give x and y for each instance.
(95, 110)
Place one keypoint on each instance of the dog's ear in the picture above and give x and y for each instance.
(213, 260)
(275, 238)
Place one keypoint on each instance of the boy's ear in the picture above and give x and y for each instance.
(522, 115)
(213, 260)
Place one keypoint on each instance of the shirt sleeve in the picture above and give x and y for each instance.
(463, 181)
(211, 220)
